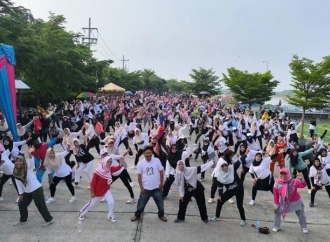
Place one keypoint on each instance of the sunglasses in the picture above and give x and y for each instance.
(283, 173)
(224, 165)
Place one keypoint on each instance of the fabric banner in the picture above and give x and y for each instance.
(7, 87)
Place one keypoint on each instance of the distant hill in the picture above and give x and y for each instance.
(280, 94)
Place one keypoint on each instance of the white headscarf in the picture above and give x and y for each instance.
(55, 163)
(225, 177)
(189, 174)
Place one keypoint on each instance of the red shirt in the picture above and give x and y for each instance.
(100, 185)
(40, 153)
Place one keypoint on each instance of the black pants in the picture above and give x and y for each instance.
(327, 188)
(124, 177)
(102, 136)
(94, 142)
(239, 193)
(137, 156)
(4, 179)
(39, 200)
(56, 180)
(305, 174)
(266, 184)
(198, 194)
(119, 118)
(246, 170)
(44, 137)
(204, 159)
(125, 142)
(260, 141)
(167, 185)
(311, 131)
(192, 130)
(214, 186)
(67, 158)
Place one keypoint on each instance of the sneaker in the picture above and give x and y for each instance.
(243, 223)
(276, 229)
(311, 205)
(178, 220)
(112, 219)
(305, 230)
(206, 221)
(50, 200)
(309, 191)
(231, 201)
(252, 203)
(1, 198)
(131, 184)
(213, 219)
(81, 217)
(103, 200)
(195, 144)
(99, 157)
(73, 199)
(202, 179)
(131, 156)
(85, 168)
(131, 201)
(17, 199)
(48, 223)
(19, 223)
(134, 167)
(134, 218)
(210, 200)
(10, 183)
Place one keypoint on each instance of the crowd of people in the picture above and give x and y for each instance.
(231, 141)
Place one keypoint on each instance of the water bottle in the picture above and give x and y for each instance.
(80, 225)
(257, 225)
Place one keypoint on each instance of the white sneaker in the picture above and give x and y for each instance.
(80, 218)
(99, 156)
(131, 201)
(48, 223)
(19, 223)
(195, 144)
(50, 200)
(210, 200)
(131, 156)
(276, 229)
(309, 191)
(84, 170)
(131, 184)
(231, 201)
(112, 219)
(134, 167)
(73, 199)
(10, 183)
(1, 198)
(103, 200)
(252, 203)
(17, 200)
(305, 231)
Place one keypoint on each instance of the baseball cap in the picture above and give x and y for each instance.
(103, 151)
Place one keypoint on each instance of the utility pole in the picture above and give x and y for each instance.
(123, 60)
(89, 40)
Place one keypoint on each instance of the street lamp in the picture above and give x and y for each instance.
(97, 80)
(266, 65)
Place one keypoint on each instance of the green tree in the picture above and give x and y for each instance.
(204, 80)
(176, 86)
(311, 86)
(250, 88)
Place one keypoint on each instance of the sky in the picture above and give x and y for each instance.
(172, 37)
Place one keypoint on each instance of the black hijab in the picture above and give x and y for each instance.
(294, 159)
(10, 145)
(174, 157)
(257, 163)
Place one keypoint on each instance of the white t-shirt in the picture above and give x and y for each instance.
(262, 171)
(5, 163)
(150, 173)
(32, 182)
(63, 170)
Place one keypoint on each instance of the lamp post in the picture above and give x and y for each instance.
(266, 65)
(97, 80)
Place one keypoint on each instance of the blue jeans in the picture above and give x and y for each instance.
(157, 195)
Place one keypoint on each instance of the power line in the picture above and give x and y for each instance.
(88, 40)
(108, 56)
(107, 46)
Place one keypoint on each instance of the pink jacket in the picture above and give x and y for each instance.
(295, 195)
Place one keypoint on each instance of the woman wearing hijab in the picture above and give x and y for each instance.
(7, 167)
(29, 188)
(140, 140)
(12, 146)
(100, 187)
(173, 157)
(262, 178)
(53, 163)
(273, 148)
(319, 177)
(122, 134)
(54, 131)
(227, 176)
(287, 199)
(295, 162)
(93, 139)
(68, 138)
(84, 159)
(189, 186)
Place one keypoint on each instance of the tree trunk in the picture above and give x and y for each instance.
(302, 123)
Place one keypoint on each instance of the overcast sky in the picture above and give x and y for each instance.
(174, 36)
